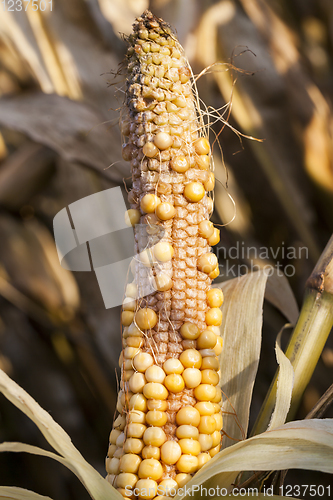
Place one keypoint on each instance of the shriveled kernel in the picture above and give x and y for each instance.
(165, 211)
(133, 445)
(136, 416)
(138, 402)
(209, 205)
(129, 304)
(187, 432)
(218, 421)
(147, 488)
(131, 290)
(190, 446)
(173, 365)
(179, 164)
(214, 316)
(210, 363)
(113, 466)
(127, 151)
(150, 150)
(129, 463)
(115, 433)
(191, 358)
(209, 184)
(150, 468)
(155, 374)
(207, 424)
(119, 452)
(214, 238)
(194, 191)
(157, 404)
(206, 442)
(203, 162)
(216, 438)
(151, 452)
(170, 452)
(210, 377)
(214, 297)
(189, 331)
(207, 340)
(192, 377)
(201, 146)
(163, 251)
(205, 392)
(111, 478)
(134, 331)
(154, 390)
(135, 430)
(188, 415)
(206, 229)
(214, 451)
(126, 479)
(182, 479)
(132, 217)
(180, 101)
(219, 346)
(203, 458)
(137, 382)
(188, 464)
(205, 408)
(111, 450)
(154, 436)
(149, 203)
(127, 318)
(207, 262)
(119, 423)
(162, 282)
(163, 140)
(174, 383)
(156, 418)
(146, 318)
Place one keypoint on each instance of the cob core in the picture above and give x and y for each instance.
(169, 415)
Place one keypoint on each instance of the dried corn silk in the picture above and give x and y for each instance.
(169, 415)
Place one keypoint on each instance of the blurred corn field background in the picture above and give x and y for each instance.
(60, 142)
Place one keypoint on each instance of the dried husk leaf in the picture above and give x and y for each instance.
(14, 493)
(96, 485)
(306, 444)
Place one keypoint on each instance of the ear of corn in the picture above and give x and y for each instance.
(169, 423)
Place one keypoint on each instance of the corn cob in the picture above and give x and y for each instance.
(169, 423)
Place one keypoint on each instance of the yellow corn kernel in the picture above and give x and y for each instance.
(154, 390)
(206, 442)
(129, 463)
(209, 184)
(126, 493)
(163, 140)
(157, 404)
(179, 164)
(111, 450)
(132, 217)
(135, 430)
(188, 464)
(192, 377)
(115, 433)
(162, 282)
(206, 230)
(163, 251)
(214, 238)
(205, 408)
(165, 211)
(126, 479)
(214, 274)
(214, 316)
(133, 445)
(194, 191)
(146, 257)
(154, 436)
(149, 202)
(210, 377)
(150, 150)
(189, 331)
(134, 341)
(170, 452)
(119, 423)
(152, 452)
(136, 416)
(182, 479)
(150, 468)
(203, 458)
(205, 392)
(131, 352)
(174, 383)
(113, 466)
(188, 416)
(138, 402)
(169, 488)
(207, 425)
(214, 297)
(146, 318)
(207, 340)
(210, 363)
(214, 451)
(203, 161)
(157, 418)
(219, 346)
(155, 374)
(119, 452)
(173, 365)
(190, 446)
(133, 331)
(187, 432)
(127, 318)
(218, 396)
(191, 358)
(147, 488)
(120, 440)
(216, 438)
(218, 421)
(207, 262)
(137, 382)
(201, 146)
(131, 290)
(111, 478)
